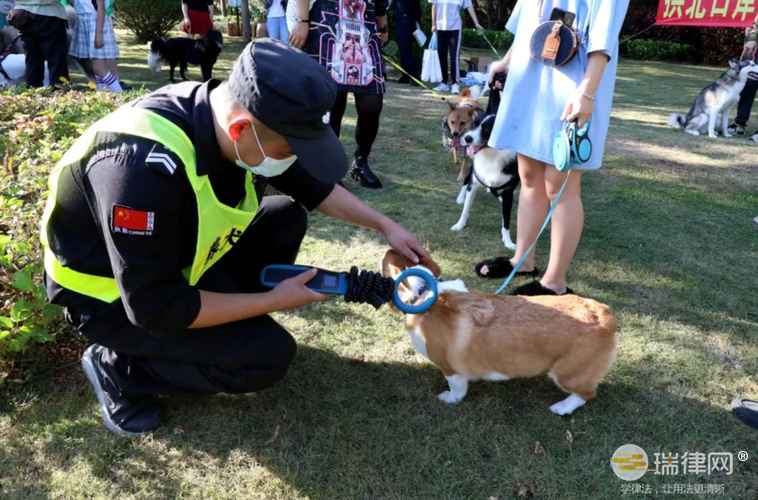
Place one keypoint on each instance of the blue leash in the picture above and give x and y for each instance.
(549, 216)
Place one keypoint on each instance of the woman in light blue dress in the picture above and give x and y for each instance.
(536, 99)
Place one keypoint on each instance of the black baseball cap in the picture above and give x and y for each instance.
(290, 92)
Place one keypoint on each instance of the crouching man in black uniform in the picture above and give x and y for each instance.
(154, 237)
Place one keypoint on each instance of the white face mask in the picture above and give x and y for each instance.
(269, 167)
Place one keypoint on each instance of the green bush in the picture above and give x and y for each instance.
(656, 50)
(501, 40)
(148, 19)
(36, 128)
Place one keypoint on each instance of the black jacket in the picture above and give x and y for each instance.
(120, 173)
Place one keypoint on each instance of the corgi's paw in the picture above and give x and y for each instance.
(461, 197)
(458, 226)
(568, 405)
(727, 135)
(713, 135)
(449, 398)
(693, 132)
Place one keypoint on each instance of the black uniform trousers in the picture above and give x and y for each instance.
(404, 28)
(747, 96)
(239, 357)
(45, 39)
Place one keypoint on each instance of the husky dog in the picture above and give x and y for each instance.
(716, 99)
(496, 170)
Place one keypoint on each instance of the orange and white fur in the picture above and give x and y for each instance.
(472, 336)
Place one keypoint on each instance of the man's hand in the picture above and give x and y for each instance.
(299, 35)
(404, 242)
(292, 293)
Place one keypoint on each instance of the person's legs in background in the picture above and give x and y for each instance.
(369, 109)
(455, 56)
(44, 40)
(404, 27)
(443, 48)
(744, 106)
(337, 112)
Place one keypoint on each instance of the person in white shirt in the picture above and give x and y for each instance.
(446, 22)
(276, 21)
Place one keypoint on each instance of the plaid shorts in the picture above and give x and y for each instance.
(83, 42)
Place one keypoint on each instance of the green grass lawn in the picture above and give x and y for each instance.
(669, 244)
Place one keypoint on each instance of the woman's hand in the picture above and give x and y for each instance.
(496, 67)
(292, 293)
(578, 108)
(186, 25)
(99, 40)
(299, 34)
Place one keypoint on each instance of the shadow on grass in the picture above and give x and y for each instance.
(344, 428)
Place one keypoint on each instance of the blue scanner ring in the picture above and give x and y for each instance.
(431, 285)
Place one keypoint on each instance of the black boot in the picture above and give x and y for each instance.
(361, 172)
(121, 415)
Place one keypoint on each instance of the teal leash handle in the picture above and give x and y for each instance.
(549, 216)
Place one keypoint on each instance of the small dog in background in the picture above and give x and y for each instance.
(473, 336)
(493, 169)
(459, 120)
(182, 51)
(715, 101)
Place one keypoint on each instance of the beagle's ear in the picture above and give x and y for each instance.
(482, 312)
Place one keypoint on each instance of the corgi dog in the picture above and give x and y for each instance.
(459, 119)
(472, 336)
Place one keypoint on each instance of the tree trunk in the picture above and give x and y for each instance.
(247, 34)
(223, 8)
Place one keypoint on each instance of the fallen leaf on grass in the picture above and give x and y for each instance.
(538, 448)
(274, 436)
(569, 437)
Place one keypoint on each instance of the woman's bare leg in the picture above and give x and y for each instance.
(532, 207)
(566, 226)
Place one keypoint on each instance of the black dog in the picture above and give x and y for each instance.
(202, 52)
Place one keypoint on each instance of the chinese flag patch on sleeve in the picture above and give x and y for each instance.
(127, 220)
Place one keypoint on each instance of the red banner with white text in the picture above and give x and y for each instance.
(707, 13)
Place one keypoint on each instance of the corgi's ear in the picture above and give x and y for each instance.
(733, 63)
(466, 92)
(393, 264)
(432, 266)
(451, 105)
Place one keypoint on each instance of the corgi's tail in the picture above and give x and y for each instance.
(677, 120)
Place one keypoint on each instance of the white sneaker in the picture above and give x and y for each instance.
(442, 87)
(455, 89)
